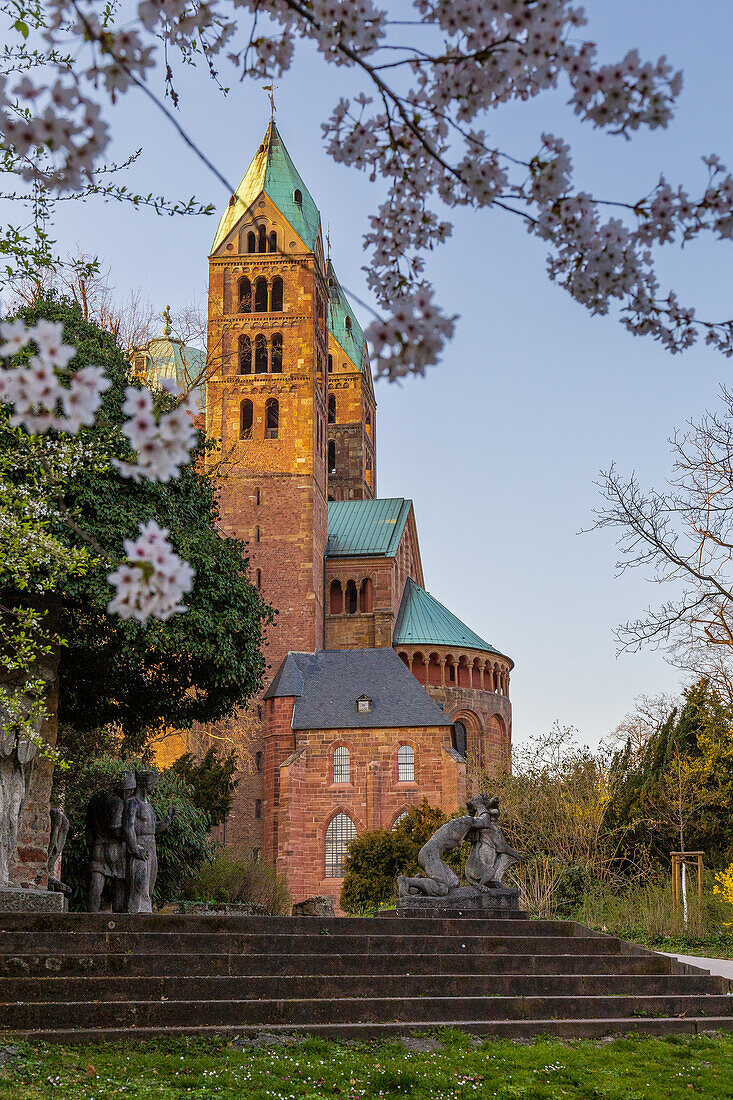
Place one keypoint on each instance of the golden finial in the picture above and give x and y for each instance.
(271, 89)
(167, 320)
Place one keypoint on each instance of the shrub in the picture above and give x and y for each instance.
(375, 859)
(230, 878)
(185, 846)
(211, 780)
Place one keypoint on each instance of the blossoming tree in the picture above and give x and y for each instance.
(415, 116)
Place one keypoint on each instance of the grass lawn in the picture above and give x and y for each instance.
(447, 1066)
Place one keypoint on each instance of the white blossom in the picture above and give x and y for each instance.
(163, 442)
(153, 580)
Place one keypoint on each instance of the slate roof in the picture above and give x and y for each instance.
(339, 309)
(366, 527)
(422, 620)
(273, 172)
(332, 681)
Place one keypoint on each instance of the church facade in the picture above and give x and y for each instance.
(376, 693)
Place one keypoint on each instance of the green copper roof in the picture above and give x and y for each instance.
(273, 172)
(421, 620)
(339, 309)
(357, 527)
(166, 358)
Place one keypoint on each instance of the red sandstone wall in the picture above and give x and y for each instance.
(307, 799)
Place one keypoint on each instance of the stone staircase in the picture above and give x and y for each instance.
(83, 977)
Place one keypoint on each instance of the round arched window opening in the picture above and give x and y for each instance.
(460, 738)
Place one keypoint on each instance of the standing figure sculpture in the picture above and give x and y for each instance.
(16, 755)
(56, 842)
(490, 856)
(140, 827)
(109, 851)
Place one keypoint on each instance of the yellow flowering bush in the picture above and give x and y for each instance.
(724, 885)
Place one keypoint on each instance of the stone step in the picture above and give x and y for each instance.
(151, 964)
(337, 986)
(232, 922)
(491, 1028)
(91, 943)
(408, 1011)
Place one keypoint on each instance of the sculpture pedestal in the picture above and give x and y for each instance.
(463, 901)
(16, 900)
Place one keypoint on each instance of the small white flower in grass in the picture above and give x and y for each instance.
(151, 583)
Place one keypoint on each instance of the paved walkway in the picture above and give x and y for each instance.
(715, 966)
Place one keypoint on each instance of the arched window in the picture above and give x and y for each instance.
(460, 738)
(368, 475)
(330, 363)
(347, 322)
(251, 242)
(276, 297)
(257, 534)
(406, 764)
(298, 196)
(272, 418)
(258, 761)
(259, 585)
(262, 239)
(365, 595)
(245, 355)
(272, 241)
(351, 600)
(245, 295)
(260, 354)
(341, 765)
(400, 817)
(261, 296)
(246, 419)
(277, 353)
(339, 834)
(332, 457)
(336, 604)
(368, 424)
(332, 409)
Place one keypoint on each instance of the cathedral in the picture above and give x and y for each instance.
(377, 694)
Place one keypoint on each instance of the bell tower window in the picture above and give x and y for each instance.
(251, 242)
(245, 355)
(261, 296)
(260, 354)
(276, 295)
(277, 353)
(272, 241)
(262, 239)
(246, 419)
(272, 418)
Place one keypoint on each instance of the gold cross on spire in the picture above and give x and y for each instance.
(271, 89)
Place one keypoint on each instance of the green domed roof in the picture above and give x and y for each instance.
(422, 620)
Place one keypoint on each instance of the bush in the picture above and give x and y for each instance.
(375, 859)
(185, 846)
(211, 780)
(238, 880)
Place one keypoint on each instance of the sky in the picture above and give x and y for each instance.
(500, 446)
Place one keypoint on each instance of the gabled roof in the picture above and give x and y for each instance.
(273, 172)
(422, 620)
(366, 527)
(339, 309)
(333, 680)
